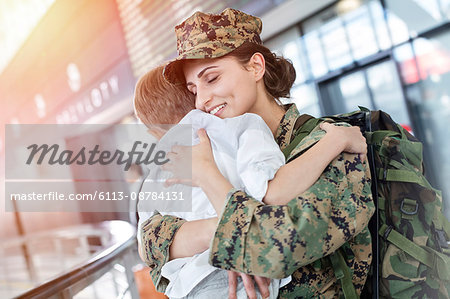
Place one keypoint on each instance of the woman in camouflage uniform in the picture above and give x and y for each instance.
(250, 237)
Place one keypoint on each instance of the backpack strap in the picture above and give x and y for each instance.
(342, 273)
(340, 267)
(401, 175)
(427, 256)
(378, 136)
(306, 128)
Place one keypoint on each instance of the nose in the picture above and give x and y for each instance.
(202, 99)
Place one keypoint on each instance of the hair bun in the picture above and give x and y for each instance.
(280, 73)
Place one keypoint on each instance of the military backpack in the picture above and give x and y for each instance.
(410, 234)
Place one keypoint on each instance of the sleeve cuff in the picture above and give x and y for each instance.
(157, 236)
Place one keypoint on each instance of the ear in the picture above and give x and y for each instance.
(257, 64)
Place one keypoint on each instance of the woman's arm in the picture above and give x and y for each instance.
(290, 180)
(274, 241)
(297, 176)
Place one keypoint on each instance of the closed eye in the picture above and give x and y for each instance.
(213, 79)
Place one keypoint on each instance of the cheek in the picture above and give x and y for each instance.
(226, 86)
(247, 92)
(248, 99)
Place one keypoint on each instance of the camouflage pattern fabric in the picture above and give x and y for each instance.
(277, 241)
(412, 208)
(157, 234)
(412, 233)
(211, 36)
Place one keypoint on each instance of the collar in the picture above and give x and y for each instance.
(286, 126)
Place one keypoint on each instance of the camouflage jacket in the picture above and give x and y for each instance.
(278, 241)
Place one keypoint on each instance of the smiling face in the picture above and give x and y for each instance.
(223, 86)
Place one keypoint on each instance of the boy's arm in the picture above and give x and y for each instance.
(192, 237)
(163, 238)
(301, 173)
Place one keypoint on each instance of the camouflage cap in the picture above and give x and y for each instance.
(211, 36)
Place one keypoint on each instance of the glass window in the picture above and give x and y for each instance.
(305, 98)
(345, 94)
(293, 51)
(433, 57)
(289, 46)
(445, 7)
(315, 54)
(347, 31)
(397, 27)
(361, 32)
(326, 40)
(429, 100)
(335, 44)
(354, 92)
(404, 56)
(377, 14)
(387, 91)
(416, 15)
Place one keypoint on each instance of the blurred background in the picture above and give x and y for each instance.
(77, 62)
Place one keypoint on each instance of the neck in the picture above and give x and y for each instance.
(270, 112)
(274, 116)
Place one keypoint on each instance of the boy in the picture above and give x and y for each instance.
(245, 152)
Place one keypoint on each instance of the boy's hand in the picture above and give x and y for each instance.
(249, 284)
(202, 160)
(179, 166)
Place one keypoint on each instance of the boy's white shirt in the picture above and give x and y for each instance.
(246, 154)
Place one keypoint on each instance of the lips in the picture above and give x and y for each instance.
(216, 109)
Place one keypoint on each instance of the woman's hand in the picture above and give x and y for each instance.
(351, 138)
(201, 158)
(249, 284)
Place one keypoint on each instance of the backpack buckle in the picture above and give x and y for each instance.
(387, 232)
(440, 236)
(409, 202)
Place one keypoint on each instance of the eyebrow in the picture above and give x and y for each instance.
(201, 73)
(205, 69)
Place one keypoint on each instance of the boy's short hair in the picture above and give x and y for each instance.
(157, 101)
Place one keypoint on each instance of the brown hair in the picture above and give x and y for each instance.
(280, 73)
(157, 101)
